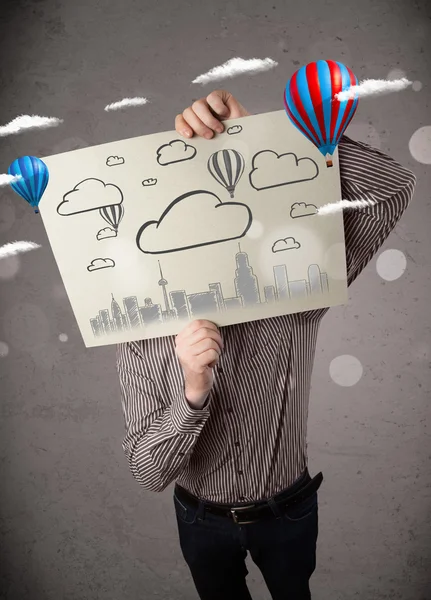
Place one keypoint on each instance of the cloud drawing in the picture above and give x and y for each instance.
(234, 129)
(174, 152)
(100, 263)
(288, 243)
(192, 220)
(301, 209)
(89, 194)
(270, 169)
(150, 181)
(106, 232)
(113, 161)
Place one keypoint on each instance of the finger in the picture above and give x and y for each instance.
(210, 358)
(204, 345)
(204, 333)
(194, 326)
(202, 110)
(182, 127)
(196, 124)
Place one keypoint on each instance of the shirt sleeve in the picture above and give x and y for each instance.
(160, 432)
(369, 174)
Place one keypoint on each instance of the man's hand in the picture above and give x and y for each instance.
(198, 347)
(204, 116)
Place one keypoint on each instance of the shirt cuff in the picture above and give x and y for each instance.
(188, 420)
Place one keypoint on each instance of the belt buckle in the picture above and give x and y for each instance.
(235, 517)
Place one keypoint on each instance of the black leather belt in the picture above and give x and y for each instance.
(249, 513)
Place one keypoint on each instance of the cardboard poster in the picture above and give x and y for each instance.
(151, 232)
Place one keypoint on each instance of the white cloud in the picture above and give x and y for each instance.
(192, 220)
(234, 129)
(335, 207)
(288, 243)
(302, 209)
(126, 103)
(373, 87)
(106, 232)
(14, 248)
(6, 179)
(24, 122)
(100, 263)
(112, 161)
(270, 169)
(236, 66)
(89, 194)
(150, 181)
(175, 151)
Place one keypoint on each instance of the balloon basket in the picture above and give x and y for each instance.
(36, 212)
(329, 163)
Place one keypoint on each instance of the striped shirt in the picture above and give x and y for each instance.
(249, 441)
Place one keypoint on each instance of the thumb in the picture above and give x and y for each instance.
(217, 101)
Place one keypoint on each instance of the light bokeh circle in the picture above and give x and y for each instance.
(420, 145)
(391, 264)
(346, 370)
(9, 267)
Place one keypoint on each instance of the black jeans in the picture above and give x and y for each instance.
(283, 548)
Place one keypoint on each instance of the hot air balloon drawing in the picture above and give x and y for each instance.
(112, 215)
(310, 103)
(33, 180)
(227, 166)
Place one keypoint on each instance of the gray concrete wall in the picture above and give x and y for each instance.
(74, 524)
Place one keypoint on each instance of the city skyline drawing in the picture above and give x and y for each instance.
(180, 305)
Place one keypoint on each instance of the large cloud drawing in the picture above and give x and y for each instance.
(302, 209)
(270, 169)
(195, 219)
(288, 243)
(174, 152)
(89, 194)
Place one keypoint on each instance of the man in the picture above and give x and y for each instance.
(224, 412)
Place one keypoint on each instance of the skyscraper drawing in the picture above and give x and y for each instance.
(117, 316)
(232, 303)
(269, 291)
(132, 311)
(150, 313)
(202, 303)
(298, 289)
(180, 304)
(314, 279)
(281, 282)
(96, 326)
(216, 287)
(324, 281)
(104, 317)
(246, 284)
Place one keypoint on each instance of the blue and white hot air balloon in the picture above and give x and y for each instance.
(33, 179)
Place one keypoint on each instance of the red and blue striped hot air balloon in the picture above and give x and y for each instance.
(310, 103)
(33, 179)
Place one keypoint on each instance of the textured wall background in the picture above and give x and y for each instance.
(74, 524)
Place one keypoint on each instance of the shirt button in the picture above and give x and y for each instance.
(229, 409)
(242, 498)
(240, 473)
(199, 422)
(220, 370)
(237, 444)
